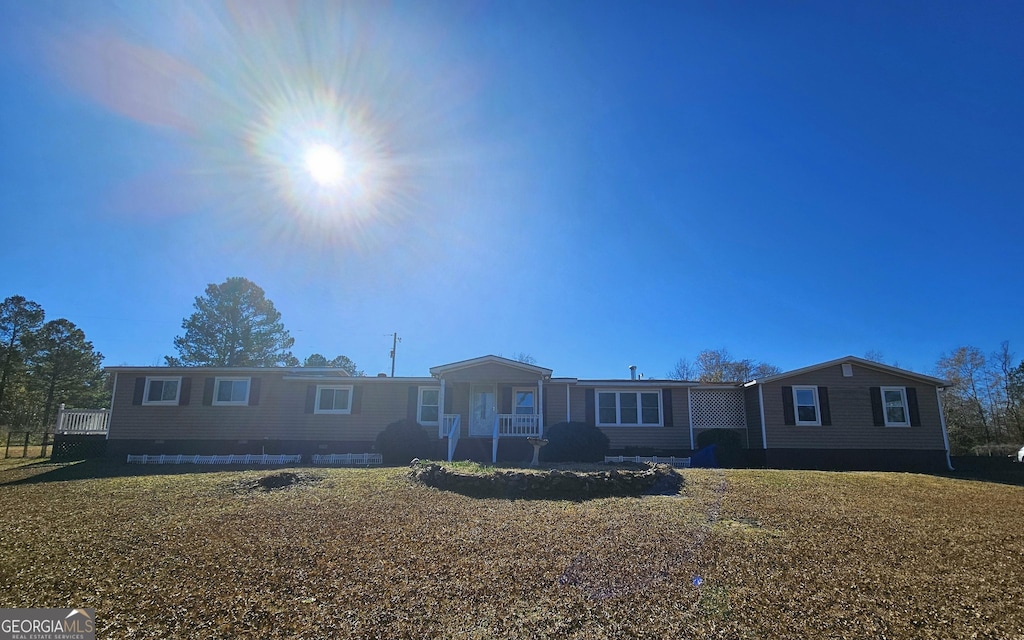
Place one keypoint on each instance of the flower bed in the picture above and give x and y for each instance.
(660, 479)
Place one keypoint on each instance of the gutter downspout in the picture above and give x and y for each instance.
(113, 394)
(945, 435)
(764, 432)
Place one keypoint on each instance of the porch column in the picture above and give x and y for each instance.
(440, 411)
(540, 404)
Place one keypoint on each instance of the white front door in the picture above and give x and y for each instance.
(482, 405)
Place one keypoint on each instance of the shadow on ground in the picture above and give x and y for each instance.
(47, 471)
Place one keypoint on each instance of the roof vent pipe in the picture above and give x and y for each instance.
(632, 372)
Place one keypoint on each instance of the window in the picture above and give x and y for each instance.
(429, 405)
(805, 403)
(334, 399)
(165, 391)
(626, 408)
(894, 407)
(524, 402)
(231, 391)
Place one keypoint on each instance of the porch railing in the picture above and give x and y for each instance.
(453, 435)
(444, 425)
(82, 421)
(518, 425)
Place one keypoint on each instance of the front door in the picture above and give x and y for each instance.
(482, 404)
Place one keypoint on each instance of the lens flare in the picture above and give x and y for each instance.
(325, 164)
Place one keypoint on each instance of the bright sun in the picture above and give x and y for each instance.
(325, 164)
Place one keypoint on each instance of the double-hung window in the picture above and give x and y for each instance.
(335, 399)
(231, 391)
(629, 408)
(894, 407)
(525, 403)
(429, 409)
(805, 405)
(162, 391)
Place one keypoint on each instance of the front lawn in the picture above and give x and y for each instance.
(365, 553)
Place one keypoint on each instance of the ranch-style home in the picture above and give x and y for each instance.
(846, 413)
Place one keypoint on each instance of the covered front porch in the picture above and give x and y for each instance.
(489, 397)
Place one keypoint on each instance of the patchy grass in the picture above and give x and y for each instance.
(365, 553)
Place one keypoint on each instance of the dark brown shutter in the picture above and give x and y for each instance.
(788, 414)
(876, 407)
(543, 409)
(589, 409)
(140, 390)
(666, 407)
(208, 391)
(912, 408)
(254, 391)
(506, 400)
(826, 411)
(310, 398)
(185, 394)
(357, 399)
(410, 406)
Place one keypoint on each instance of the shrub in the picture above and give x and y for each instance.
(729, 452)
(401, 441)
(574, 442)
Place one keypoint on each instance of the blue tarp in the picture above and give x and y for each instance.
(705, 457)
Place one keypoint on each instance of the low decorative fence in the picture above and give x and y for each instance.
(360, 459)
(245, 458)
(671, 460)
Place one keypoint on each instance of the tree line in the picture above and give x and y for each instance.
(984, 407)
(43, 364)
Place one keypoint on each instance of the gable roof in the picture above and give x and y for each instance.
(473, 362)
(878, 366)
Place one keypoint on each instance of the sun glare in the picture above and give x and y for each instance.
(325, 164)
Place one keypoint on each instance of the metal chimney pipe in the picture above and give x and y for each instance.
(632, 372)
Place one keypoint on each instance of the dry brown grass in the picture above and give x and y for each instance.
(364, 553)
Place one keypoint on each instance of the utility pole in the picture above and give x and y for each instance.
(394, 347)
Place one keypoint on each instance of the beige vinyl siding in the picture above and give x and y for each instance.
(280, 414)
(554, 404)
(852, 422)
(493, 372)
(578, 404)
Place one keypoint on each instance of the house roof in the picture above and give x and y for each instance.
(490, 359)
(861, 362)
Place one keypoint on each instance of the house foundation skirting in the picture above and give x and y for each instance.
(856, 459)
(118, 449)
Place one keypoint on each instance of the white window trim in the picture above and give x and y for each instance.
(232, 403)
(532, 390)
(618, 408)
(796, 407)
(164, 403)
(333, 387)
(419, 407)
(906, 407)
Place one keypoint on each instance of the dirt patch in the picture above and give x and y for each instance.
(278, 480)
(555, 484)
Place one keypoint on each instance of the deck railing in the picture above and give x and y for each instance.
(453, 435)
(82, 421)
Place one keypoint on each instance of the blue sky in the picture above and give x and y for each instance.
(596, 184)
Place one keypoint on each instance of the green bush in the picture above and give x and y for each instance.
(729, 452)
(574, 442)
(403, 440)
